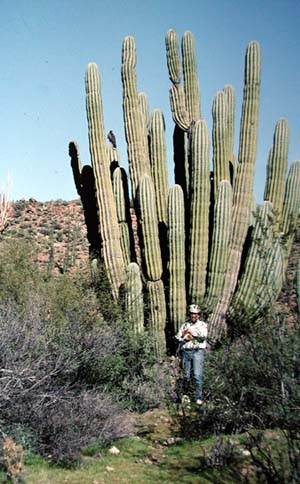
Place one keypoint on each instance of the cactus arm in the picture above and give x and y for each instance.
(191, 84)
(177, 264)
(245, 298)
(180, 114)
(120, 190)
(143, 102)
(276, 168)
(220, 243)
(149, 227)
(108, 223)
(291, 207)
(158, 316)
(220, 141)
(243, 186)
(230, 98)
(199, 216)
(134, 304)
(173, 58)
(158, 160)
(138, 157)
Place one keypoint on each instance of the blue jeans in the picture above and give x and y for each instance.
(194, 359)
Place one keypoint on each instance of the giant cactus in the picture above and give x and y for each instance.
(209, 216)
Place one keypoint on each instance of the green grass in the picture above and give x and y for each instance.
(144, 459)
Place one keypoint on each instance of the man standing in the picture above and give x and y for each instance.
(192, 339)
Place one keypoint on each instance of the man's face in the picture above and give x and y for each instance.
(194, 317)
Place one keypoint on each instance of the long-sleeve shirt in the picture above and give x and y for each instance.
(199, 332)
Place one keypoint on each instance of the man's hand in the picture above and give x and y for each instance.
(188, 336)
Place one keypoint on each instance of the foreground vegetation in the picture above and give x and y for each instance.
(75, 380)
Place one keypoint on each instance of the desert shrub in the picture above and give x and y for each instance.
(19, 275)
(59, 236)
(148, 386)
(42, 386)
(253, 383)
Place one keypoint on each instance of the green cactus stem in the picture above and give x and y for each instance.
(246, 300)
(220, 141)
(230, 98)
(276, 168)
(143, 102)
(291, 208)
(108, 223)
(173, 58)
(191, 83)
(158, 160)
(290, 211)
(149, 227)
(220, 244)
(153, 263)
(243, 187)
(134, 304)
(138, 156)
(199, 216)
(177, 264)
(157, 316)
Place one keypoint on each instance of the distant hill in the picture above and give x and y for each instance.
(56, 227)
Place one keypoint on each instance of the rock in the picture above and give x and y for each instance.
(114, 451)
(246, 453)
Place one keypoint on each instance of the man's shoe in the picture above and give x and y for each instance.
(199, 402)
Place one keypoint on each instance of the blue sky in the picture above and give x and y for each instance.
(45, 46)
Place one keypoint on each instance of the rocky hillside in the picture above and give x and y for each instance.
(57, 229)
